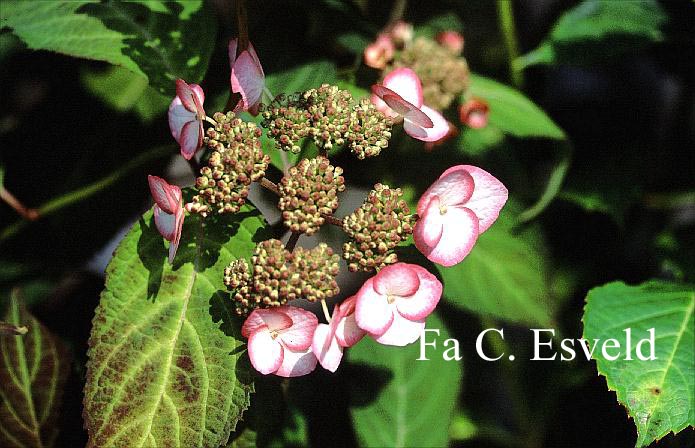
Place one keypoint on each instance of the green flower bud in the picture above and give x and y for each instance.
(236, 161)
(376, 228)
(308, 191)
(315, 271)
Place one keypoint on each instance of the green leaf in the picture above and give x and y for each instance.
(659, 394)
(437, 24)
(477, 142)
(159, 40)
(513, 113)
(302, 78)
(505, 276)
(124, 91)
(33, 371)
(598, 30)
(166, 364)
(415, 403)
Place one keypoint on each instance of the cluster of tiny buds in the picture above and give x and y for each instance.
(376, 228)
(236, 160)
(332, 117)
(309, 192)
(443, 72)
(277, 276)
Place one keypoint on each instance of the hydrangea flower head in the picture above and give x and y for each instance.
(280, 340)
(400, 96)
(392, 306)
(459, 206)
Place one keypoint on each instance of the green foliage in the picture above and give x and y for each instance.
(33, 371)
(598, 30)
(302, 77)
(506, 275)
(444, 22)
(658, 394)
(159, 40)
(512, 112)
(124, 90)
(165, 360)
(416, 399)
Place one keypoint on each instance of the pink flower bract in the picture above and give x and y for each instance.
(247, 77)
(459, 206)
(329, 340)
(186, 115)
(168, 212)
(280, 340)
(380, 52)
(392, 306)
(451, 40)
(401, 96)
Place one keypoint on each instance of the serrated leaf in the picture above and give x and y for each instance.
(159, 40)
(598, 30)
(505, 276)
(658, 394)
(414, 400)
(165, 359)
(33, 371)
(512, 112)
(124, 90)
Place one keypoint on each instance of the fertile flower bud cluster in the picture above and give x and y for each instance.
(236, 161)
(308, 191)
(444, 74)
(330, 116)
(376, 228)
(278, 276)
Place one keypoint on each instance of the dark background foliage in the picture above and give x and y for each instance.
(621, 213)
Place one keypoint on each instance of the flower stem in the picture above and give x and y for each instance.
(292, 242)
(326, 314)
(25, 212)
(505, 19)
(210, 120)
(79, 195)
(269, 185)
(330, 219)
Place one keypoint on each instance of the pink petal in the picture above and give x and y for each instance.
(259, 319)
(381, 106)
(298, 336)
(372, 311)
(396, 279)
(231, 50)
(489, 195)
(393, 100)
(266, 353)
(174, 245)
(430, 226)
(166, 196)
(185, 93)
(178, 117)
(348, 333)
(297, 363)
(191, 138)
(248, 80)
(198, 99)
(254, 57)
(326, 348)
(452, 188)
(458, 238)
(420, 131)
(424, 301)
(402, 331)
(165, 222)
(405, 83)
